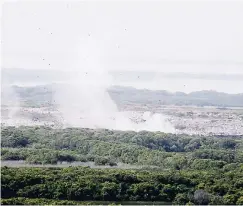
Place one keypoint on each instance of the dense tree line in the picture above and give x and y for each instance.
(189, 169)
(86, 184)
(47, 145)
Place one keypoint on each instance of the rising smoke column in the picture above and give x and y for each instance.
(83, 101)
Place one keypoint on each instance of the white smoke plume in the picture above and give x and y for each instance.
(10, 103)
(83, 101)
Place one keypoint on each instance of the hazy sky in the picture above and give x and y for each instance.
(195, 36)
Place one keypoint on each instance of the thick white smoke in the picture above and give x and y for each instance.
(10, 103)
(84, 101)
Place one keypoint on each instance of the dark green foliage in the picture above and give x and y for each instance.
(176, 168)
(86, 184)
(104, 161)
(47, 145)
(11, 154)
(14, 138)
(181, 199)
(202, 164)
(228, 144)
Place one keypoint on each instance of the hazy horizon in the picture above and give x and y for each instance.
(103, 37)
(199, 42)
(122, 102)
(170, 81)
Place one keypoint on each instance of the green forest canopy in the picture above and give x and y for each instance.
(190, 169)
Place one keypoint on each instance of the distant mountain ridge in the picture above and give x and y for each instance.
(42, 95)
(43, 79)
(198, 98)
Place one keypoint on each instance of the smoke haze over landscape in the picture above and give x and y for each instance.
(84, 100)
(81, 52)
(121, 102)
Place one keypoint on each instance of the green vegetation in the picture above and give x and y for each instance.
(47, 145)
(86, 184)
(190, 169)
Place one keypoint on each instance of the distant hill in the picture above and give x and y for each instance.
(199, 98)
(42, 95)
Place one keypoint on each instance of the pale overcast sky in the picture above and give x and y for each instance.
(167, 36)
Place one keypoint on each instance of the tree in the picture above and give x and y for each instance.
(181, 199)
(201, 197)
(240, 201)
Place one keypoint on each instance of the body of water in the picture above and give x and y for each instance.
(22, 163)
